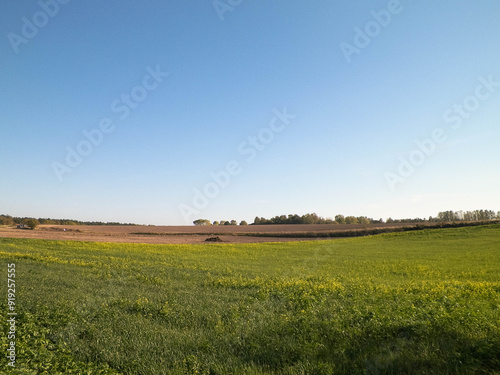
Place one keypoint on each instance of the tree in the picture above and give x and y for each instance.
(234, 222)
(310, 219)
(363, 220)
(243, 222)
(340, 219)
(491, 215)
(294, 219)
(351, 220)
(227, 223)
(32, 223)
(201, 222)
(446, 216)
(6, 220)
(215, 222)
(260, 221)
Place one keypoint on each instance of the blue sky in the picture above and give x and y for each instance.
(183, 85)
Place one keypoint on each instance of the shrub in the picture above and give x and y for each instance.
(32, 223)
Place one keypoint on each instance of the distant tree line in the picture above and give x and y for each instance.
(313, 219)
(476, 215)
(10, 220)
(310, 218)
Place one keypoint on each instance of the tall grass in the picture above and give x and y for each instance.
(423, 302)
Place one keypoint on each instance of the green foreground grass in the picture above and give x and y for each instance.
(423, 302)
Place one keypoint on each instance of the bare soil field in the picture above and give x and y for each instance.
(190, 234)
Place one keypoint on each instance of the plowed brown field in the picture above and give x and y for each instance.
(186, 234)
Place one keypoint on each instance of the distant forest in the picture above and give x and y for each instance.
(10, 220)
(476, 215)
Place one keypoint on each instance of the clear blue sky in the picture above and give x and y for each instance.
(357, 114)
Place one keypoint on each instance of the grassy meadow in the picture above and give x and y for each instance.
(422, 302)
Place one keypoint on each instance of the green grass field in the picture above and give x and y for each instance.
(424, 302)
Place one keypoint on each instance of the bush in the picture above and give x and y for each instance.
(6, 220)
(32, 223)
(201, 222)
